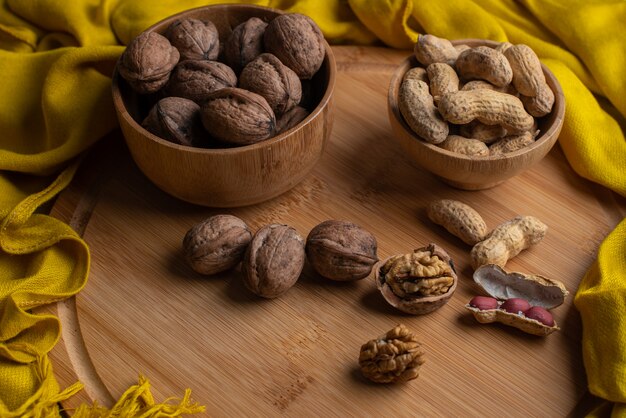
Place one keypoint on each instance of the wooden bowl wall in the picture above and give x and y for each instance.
(228, 177)
(462, 171)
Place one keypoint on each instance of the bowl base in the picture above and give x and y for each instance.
(470, 186)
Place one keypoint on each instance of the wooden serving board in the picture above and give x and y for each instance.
(144, 311)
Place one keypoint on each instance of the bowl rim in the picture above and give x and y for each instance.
(550, 134)
(118, 102)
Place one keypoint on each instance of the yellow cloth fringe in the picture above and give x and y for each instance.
(138, 402)
(50, 51)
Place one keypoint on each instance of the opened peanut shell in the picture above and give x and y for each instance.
(539, 291)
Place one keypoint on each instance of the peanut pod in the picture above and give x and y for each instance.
(539, 291)
(484, 63)
(419, 111)
(507, 240)
(459, 219)
(520, 322)
(487, 106)
(429, 49)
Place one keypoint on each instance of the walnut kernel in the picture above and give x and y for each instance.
(418, 282)
(393, 357)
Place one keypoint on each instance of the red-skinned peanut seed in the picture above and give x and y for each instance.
(540, 314)
(483, 303)
(515, 305)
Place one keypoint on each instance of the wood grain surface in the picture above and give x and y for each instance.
(144, 311)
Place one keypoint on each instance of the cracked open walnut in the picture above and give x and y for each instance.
(393, 357)
(418, 282)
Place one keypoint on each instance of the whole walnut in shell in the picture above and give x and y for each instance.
(297, 41)
(341, 250)
(147, 62)
(216, 244)
(197, 79)
(175, 119)
(273, 261)
(195, 39)
(291, 118)
(278, 84)
(419, 282)
(244, 43)
(238, 116)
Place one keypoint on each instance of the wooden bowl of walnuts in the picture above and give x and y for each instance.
(226, 105)
(474, 112)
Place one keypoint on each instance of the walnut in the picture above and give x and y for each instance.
(418, 282)
(147, 61)
(197, 79)
(341, 250)
(274, 260)
(195, 39)
(244, 43)
(216, 244)
(291, 118)
(238, 116)
(277, 83)
(177, 120)
(393, 357)
(297, 41)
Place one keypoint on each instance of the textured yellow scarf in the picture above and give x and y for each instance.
(51, 49)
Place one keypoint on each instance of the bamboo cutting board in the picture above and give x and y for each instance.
(144, 311)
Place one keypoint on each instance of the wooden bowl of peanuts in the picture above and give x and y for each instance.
(474, 112)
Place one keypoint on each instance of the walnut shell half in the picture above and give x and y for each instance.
(419, 282)
(238, 116)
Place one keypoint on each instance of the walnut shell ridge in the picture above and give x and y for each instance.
(147, 61)
(297, 41)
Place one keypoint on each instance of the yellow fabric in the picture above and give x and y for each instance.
(55, 61)
(601, 294)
